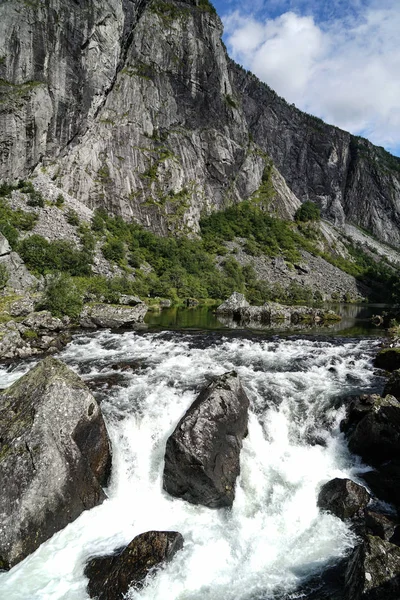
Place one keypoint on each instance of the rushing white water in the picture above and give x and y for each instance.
(274, 537)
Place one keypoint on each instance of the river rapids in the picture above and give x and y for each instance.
(275, 537)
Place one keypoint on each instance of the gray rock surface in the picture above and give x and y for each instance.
(343, 498)
(54, 458)
(202, 454)
(22, 307)
(107, 315)
(111, 576)
(381, 525)
(233, 304)
(372, 427)
(19, 278)
(164, 126)
(5, 247)
(373, 572)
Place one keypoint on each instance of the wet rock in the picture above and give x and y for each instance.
(392, 387)
(54, 457)
(384, 482)
(343, 498)
(111, 576)
(202, 454)
(235, 302)
(380, 525)
(388, 359)
(373, 571)
(107, 315)
(373, 428)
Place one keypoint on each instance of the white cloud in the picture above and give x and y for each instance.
(346, 71)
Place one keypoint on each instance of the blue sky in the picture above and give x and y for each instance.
(337, 59)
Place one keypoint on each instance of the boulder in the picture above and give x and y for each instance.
(111, 576)
(107, 315)
(234, 303)
(43, 320)
(392, 387)
(129, 300)
(381, 525)
(385, 482)
(22, 307)
(19, 278)
(202, 454)
(373, 571)
(343, 498)
(5, 247)
(388, 359)
(165, 303)
(54, 457)
(373, 428)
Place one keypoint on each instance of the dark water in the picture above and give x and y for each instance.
(356, 321)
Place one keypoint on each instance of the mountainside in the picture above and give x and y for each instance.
(134, 106)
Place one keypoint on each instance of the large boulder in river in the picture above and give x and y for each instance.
(234, 303)
(388, 359)
(343, 497)
(392, 387)
(202, 454)
(54, 457)
(111, 576)
(384, 482)
(373, 571)
(111, 316)
(373, 428)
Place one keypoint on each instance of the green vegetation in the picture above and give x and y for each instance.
(207, 6)
(230, 101)
(59, 201)
(12, 222)
(63, 296)
(42, 256)
(308, 211)
(266, 191)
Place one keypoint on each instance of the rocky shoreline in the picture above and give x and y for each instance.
(28, 332)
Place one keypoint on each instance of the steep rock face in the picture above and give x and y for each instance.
(54, 457)
(202, 454)
(133, 105)
(58, 62)
(347, 176)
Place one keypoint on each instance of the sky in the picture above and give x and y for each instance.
(336, 59)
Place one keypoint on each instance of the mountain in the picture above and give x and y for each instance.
(135, 107)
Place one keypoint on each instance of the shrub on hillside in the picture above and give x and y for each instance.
(63, 296)
(308, 211)
(42, 256)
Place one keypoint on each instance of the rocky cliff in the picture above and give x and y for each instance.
(133, 105)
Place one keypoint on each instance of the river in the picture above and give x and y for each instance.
(275, 537)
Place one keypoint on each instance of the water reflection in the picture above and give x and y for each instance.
(356, 321)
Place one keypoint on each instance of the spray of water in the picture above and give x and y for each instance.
(275, 536)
